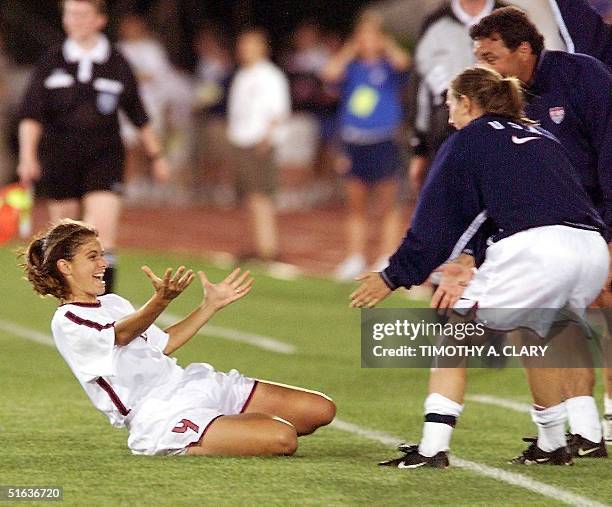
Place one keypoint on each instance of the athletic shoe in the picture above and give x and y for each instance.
(606, 423)
(350, 267)
(413, 459)
(533, 455)
(580, 447)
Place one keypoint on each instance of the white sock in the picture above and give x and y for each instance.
(441, 414)
(584, 417)
(607, 405)
(551, 426)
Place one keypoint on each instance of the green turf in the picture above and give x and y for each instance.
(50, 434)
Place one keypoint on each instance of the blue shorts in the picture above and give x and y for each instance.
(372, 163)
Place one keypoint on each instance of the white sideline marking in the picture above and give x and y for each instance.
(263, 342)
(25, 332)
(511, 478)
(378, 436)
(516, 406)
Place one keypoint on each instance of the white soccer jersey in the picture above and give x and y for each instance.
(258, 97)
(116, 378)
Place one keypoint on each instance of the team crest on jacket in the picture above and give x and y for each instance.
(107, 102)
(557, 114)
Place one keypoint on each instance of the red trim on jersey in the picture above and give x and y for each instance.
(113, 396)
(89, 323)
(97, 304)
(248, 400)
(197, 442)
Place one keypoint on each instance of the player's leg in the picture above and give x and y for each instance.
(356, 229)
(102, 184)
(386, 197)
(607, 371)
(607, 419)
(584, 421)
(259, 179)
(305, 410)
(263, 216)
(247, 435)
(64, 208)
(443, 406)
(102, 209)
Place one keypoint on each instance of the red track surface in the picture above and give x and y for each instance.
(312, 240)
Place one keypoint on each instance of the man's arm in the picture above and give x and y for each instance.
(588, 33)
(337, 64)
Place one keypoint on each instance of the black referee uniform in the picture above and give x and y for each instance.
(77, 103)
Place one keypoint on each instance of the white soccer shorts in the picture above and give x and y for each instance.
(176, 416)
(549, 267)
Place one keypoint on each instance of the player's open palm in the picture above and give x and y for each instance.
(235, 286)
(455, 278)
(169, 287)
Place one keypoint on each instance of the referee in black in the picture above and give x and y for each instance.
(70, 144)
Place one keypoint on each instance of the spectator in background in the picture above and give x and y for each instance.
(444, 48)
(258, 104)
(298, 153)
(6, 159)
(213, 73)
(371, 69)
(70, 144)
(166, 96)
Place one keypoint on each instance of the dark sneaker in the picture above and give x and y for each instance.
(533, 455)
(580, 447)
(413, 459)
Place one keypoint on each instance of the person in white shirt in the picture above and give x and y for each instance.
(258, 104)
(122, 360)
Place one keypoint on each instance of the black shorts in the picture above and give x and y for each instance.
(372, 163)
(70, 172)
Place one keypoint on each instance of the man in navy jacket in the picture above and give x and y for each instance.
(571, 96)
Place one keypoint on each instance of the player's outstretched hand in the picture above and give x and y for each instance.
(455, 278)
(235, 286)
(371, 291)
(169, 287)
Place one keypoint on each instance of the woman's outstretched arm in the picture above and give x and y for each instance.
(216, 297)
(166, 289)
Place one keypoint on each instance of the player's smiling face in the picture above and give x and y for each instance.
(84, 272)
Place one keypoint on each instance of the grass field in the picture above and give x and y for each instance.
(50, 434)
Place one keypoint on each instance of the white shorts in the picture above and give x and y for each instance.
(533, 272)
(176, 416)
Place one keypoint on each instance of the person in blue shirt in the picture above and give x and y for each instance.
(371, 70)
(583, 29)
(570, 96)
(547, 250)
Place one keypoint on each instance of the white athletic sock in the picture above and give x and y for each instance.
(441, 415)
(584, 417)
(607, 405)
(551, 426)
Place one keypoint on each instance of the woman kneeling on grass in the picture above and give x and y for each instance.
(122, 359)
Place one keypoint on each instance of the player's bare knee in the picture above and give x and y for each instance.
(326, 410)
(284, 441)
